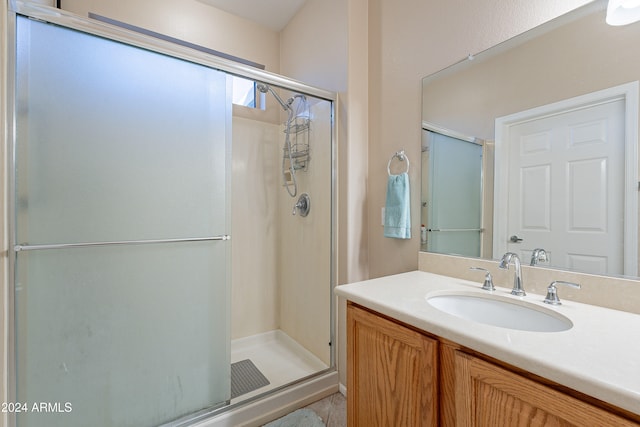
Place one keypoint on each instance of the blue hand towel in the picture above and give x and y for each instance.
(397, 213)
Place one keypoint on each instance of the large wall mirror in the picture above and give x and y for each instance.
(532, 145)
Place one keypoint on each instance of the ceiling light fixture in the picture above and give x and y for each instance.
(623, 12)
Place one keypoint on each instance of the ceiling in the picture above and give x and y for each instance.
(273, 14)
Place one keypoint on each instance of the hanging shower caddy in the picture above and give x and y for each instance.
(298, 131)
(295, 152)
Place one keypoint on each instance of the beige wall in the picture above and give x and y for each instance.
(255, 177)
(191, 21)
(353, 161)
(313, 46)
(407, 41)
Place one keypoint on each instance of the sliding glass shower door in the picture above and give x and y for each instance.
(121, 216)
(454, 196)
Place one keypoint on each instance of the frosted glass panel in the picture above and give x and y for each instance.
(455, 196)
(115, 142)
(128, 336)
(464, 243)
(118, 143)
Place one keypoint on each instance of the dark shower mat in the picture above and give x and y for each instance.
(245, 377)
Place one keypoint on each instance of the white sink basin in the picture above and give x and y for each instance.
(500, 311)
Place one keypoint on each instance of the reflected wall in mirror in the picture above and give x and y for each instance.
(555, 112)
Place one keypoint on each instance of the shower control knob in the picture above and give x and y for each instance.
(303, 205)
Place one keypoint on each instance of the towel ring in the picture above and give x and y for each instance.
(400, 156)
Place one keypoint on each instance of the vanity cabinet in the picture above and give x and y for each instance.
(489, 395)
(392, 373)
(400, 376)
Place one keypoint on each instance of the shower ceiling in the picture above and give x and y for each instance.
(274, 14)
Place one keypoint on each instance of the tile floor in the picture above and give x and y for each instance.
(332, 409)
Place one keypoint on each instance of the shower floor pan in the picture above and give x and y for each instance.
(278, 357)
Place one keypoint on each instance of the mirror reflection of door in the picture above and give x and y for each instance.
(453, 208)
(566, 186)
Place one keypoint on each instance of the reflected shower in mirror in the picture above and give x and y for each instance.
(452, 185)
(556, 113)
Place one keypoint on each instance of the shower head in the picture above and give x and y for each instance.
(264, 88)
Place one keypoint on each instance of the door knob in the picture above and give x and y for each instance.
(515, 239)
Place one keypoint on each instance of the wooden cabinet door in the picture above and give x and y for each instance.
(391, 373)
(488, 395)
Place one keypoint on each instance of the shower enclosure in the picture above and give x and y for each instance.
(157, 272)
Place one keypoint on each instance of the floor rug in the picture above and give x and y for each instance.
(301, 418)
(245, 377)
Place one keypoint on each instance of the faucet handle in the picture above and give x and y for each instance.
(552, 291)
(488, 279)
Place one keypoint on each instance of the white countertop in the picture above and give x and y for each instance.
(598, 356)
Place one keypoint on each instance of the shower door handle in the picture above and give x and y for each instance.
(27, 247)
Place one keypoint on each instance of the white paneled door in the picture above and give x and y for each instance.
(566, 187)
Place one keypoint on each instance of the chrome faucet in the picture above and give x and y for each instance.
(538, 255)
(488, 279)
(518, 289)
(552, 291)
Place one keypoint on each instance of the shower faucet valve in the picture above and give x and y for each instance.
(303, 205)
